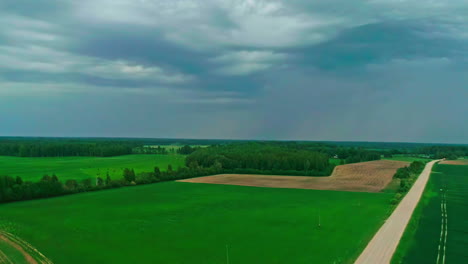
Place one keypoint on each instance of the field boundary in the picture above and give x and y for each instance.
(384, 243)
(369, 176)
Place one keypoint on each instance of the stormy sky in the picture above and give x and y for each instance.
(349, 70)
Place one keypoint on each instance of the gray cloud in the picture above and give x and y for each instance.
(320, 70)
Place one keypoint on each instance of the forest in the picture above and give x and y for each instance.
(350, 152)
(276, 158)
(64, 148)
(448, 152)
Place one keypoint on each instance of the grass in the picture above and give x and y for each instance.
(176, 222)
(421, 238)
(335, 161)
(84, 167)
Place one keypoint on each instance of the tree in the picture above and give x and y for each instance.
(169, 168)
(129, 175)
(46, 178)
(157, 172)
(186, 150)
(99, 181)
(218, 166)
(108, 179)
(71, 185)
(193, 165)
(306, 165)
(87, 184)
(54, 178)
(18, 180)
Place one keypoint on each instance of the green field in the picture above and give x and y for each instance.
(420, 243)
(85, 167)
(335, 161)
(174, 222)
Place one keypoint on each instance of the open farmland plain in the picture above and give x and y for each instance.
(32, 169)
(438, 228)
(371, 176)
(176, 222)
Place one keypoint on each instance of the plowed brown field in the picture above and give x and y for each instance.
(455, 162)
(371, 176)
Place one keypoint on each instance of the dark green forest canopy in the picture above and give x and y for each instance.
(277, 157)
(62, 149)
(104, 147)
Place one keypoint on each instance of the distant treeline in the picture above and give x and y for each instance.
(275, 158)
(448, 152)
(62, 149)
(349, 152)
(185, 150)
(93, 148)
(15, 189)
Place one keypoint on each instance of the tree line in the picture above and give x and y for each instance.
(261, 158)
(184, 150)
(15, 189)
(352, 153)
(63, 149)
(448, 152)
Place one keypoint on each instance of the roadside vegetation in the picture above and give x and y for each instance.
(406, 177)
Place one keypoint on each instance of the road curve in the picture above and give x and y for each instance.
(384, 243)
(31, 255)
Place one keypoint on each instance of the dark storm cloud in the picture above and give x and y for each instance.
(380, 42)
(323, 70)
(141, 44)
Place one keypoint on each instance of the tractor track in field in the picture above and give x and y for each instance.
(31, 254)
(384, 243)
(442, 249)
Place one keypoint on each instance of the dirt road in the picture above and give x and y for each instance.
(382, 246)
(31, 255)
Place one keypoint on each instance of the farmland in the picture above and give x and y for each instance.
(370, 176)
(176, 222)
(84, 167)
(447, 188)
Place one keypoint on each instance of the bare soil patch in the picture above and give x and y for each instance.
(371, 176)
(455, 162)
